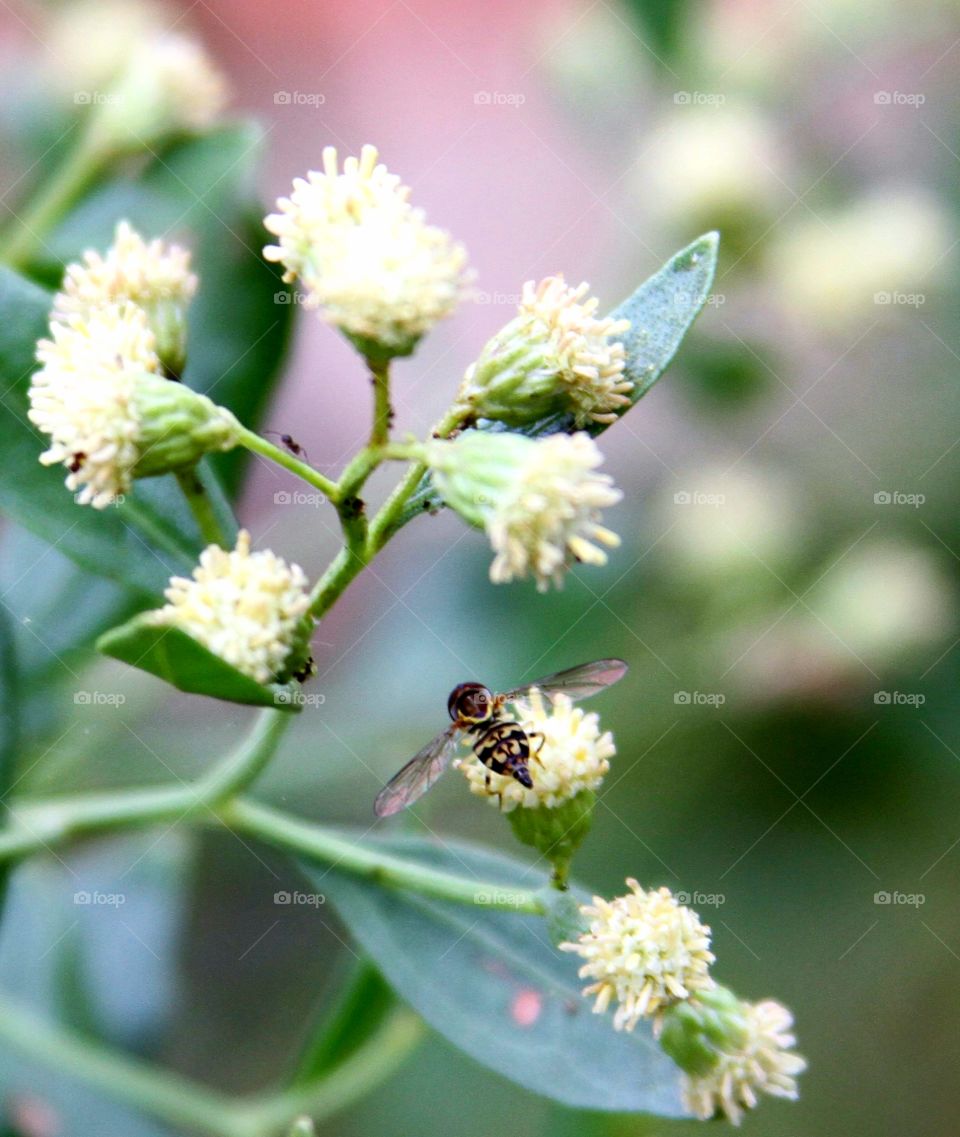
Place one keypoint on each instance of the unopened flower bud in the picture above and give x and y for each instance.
(539, 500)
(731, 1052)
(555, 355)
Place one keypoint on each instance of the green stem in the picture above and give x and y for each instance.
(382, 527)
(180, 1101)
(202, 508)
(276, 828)
(253, 441)
(50, 823)
(382, 411)
(54, 198)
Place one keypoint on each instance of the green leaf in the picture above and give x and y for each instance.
(202, 193)
(660, 314)
(494, 985)
(179, 659)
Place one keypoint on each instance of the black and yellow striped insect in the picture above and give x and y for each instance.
(500, 743)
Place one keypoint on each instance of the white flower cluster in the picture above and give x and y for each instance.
(117, 328)
(574, 755)
(538, 500)
(132, 269)
(365, 255)
(587, 356)
(645, 950)
(245, 607)
(84, 397)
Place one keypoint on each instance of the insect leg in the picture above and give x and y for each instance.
(543, 738)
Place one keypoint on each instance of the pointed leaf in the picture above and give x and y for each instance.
(179, 659)
(496, 987)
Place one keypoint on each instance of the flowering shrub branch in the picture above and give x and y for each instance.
(515, 456)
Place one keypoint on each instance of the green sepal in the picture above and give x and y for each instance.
(696, 1030)
(556, 833)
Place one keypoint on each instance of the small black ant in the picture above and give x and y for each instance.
(291, 444)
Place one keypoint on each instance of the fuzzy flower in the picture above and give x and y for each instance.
(645, 950)
(247, 608)
(555, 355)
(575, 756)
(111, 415)
(365, 255)
(169, 85)
(762, 1062)
(83, 397)
(154, 276)
(539, 500)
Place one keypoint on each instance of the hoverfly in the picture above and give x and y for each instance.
(500, 743)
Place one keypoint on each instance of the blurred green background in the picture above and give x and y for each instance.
(786, 593)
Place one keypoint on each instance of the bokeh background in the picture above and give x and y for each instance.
(786, 593)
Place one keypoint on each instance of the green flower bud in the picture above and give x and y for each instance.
(555, 355)
(556, 833)
(695, 1031)
(177, 426)
(539, 500)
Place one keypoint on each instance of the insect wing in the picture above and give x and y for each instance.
(418, 775)
(576, 682)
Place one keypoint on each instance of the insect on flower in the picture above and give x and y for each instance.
(500, 742)
(291, 444)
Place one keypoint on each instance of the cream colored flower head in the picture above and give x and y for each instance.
(539, 500)
(366, 257)
(574, 755)
(83, 396)
(169, 85)
(555, 355)
(248, 608)
(589, 359)
(644, 951)
(155, 276)
(763, 1063)
(131, 269)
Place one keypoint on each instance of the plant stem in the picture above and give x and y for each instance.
(47, 824)
(301, 837)
(382, 526)
(382, 411)
(254, 442)
(202, 508)
(180, 1101)
(54, 198)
